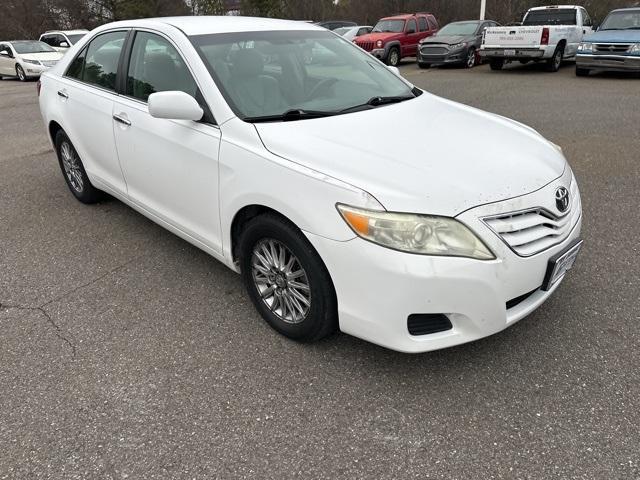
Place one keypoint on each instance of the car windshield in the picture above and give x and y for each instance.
(31, 46)
(463, 28)
(551, 16)
(74, 38)
(263, 74)
(622, 21)
(395, 26)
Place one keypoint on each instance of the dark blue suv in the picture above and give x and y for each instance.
(614, 47)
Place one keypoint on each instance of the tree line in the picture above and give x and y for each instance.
(24, 19)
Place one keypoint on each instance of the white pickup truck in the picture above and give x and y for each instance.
(550, 34)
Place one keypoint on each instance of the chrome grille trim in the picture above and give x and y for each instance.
(366, 46)
(429, 50)
(612, 47)
(532, 231)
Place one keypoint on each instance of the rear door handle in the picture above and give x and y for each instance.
(121, 119)
(63, 94)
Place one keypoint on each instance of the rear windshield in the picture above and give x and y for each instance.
(555, 16)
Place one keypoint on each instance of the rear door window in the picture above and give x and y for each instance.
(97, 64)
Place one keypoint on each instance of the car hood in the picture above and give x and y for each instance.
(447, 39)
(42, 56)
(375, 36)
(427, 155)
(614, 36)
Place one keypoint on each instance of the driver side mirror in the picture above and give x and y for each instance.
(5, 53)
(64, 45)
(174, 105)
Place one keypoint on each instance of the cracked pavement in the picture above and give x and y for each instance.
(127, 353)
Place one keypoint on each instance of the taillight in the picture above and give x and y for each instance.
(545, 36)
(38, 86)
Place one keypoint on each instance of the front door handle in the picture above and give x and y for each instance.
(63, 94)
(121, 119)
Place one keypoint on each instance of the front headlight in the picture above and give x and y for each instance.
(379, 44)
(585, 47)
(421, 234)
(33, 62)
(457, 46)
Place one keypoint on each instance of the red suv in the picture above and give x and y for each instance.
(394, 38)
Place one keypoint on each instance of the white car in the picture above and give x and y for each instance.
(62, 40)
(26, 58)
(550, 34)
(350, 33)
(305, 178)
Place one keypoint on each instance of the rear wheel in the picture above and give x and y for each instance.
(20, 74)
(554, 63)
(497, 63)
(471, 58)
(393, 58)
(582, 72)
(287, 280)
(74, 172)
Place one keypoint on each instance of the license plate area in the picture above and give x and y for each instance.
(560, 264)
(509, 53)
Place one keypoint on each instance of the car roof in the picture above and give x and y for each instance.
(553, 7)
(630, 9)
(66, 32)
(202, 25)
(405, 16)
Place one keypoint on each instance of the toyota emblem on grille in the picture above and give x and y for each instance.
(562, 199)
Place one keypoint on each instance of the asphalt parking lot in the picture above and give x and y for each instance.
(127, 353)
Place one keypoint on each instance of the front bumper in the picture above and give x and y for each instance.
(32, 70)
(378, 288)
(448, 58)
(517, 53)
(379, 53)
(616, 63)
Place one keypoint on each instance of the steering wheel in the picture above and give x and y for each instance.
(326, 84)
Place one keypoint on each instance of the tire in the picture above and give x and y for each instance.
(471, 60)
(524, 62)
(555, 62)
(497, 63)
(315, 319)
(424, 66)
(582, 72)
(393, 57)
(20, 74)
(74, 172)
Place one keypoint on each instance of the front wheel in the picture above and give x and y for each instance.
(554, 63)
(393, 58)
(20, 74)
(471, 58)
(287, 280)
(582, 72)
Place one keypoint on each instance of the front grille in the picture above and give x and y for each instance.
(428, 323)
(533, 231)
(48, 63)
(433, 50)
(367, 46)
(612, 48)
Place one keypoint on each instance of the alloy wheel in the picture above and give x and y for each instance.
(281, 281)
(394, 58)
(20, 73)
(71, 165)
(471, 58)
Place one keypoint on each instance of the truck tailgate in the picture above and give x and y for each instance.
(524, 37)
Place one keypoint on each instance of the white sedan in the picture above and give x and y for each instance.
(341, 193)
(351, 33)
(26, 58)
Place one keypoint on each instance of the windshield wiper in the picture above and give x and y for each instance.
(374, 102)
(291, 115)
